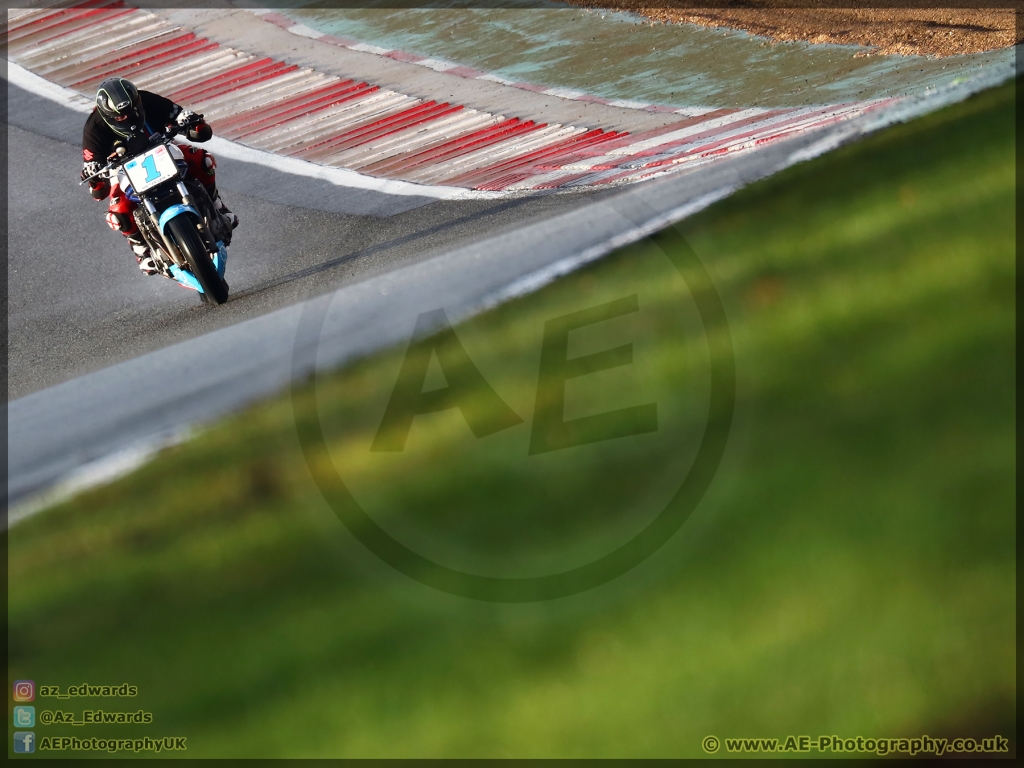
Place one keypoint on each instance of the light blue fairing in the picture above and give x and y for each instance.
(186, 279)
(220, 259)
(175, 210)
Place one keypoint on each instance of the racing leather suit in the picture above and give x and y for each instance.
(99, 142)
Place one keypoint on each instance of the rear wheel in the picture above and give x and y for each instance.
(182, 230)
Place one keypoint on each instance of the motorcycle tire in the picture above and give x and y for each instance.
(182, 230)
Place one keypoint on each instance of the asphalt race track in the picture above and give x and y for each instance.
(103, 358)
(78, 303)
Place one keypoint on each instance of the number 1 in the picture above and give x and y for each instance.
(150, 165)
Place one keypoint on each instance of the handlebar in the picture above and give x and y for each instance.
(168, 133)
(98, 173)
(113, 161)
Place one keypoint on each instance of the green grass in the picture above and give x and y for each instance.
(850, 571)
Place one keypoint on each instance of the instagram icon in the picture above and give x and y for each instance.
(24, 690)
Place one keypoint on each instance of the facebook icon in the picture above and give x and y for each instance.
(24, 741)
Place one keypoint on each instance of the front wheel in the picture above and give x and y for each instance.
(182, 231)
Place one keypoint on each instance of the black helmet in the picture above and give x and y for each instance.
(120, 106)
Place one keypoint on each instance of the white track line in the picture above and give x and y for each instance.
(341, 177)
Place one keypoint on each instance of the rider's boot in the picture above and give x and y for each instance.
(225, 213)
(143, 255)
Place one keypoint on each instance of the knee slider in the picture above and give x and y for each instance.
(120, 222)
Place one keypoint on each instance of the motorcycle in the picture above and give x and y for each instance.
(174, 214)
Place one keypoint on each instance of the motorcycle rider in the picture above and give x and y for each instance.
(125, 116)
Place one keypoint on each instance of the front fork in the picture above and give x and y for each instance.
(210, 226)
(186, 196)
(169, 247)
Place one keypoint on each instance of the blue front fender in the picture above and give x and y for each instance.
(175, 210)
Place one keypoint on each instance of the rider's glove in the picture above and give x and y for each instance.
(200, 132)
(196, 129)
(90, 169)
(186, 116)
(99, 187)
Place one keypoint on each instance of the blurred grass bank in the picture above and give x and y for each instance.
(849, 571)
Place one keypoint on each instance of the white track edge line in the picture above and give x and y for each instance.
(101, 471)
(340, 177)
